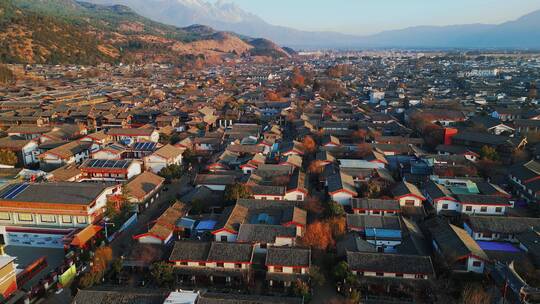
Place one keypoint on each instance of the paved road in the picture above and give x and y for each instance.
(124, 241)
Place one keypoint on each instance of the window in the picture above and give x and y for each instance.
(477, 264)
(498, 209)
(202, 264)
(419, 276)
(4, 216)
(445, 206)
(67, 219)
(238, 265)
(376, 212)
(399, 275)
(25, 217)
(183, 263)
(297, 270)
(220, 265)
(223, 238)
(278, 269)
(409, 203)
(379, 274)
(468, 208)
(81, 219)
(483, 209)
(299, 197)
(46, 218)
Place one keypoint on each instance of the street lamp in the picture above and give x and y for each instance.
(105, 224)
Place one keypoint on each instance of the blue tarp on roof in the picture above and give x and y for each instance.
(497, 246)
(206, 225)
(186, 223)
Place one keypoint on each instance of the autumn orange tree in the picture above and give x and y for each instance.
(309, 144)
(363, 149)
(103, 257)
(323, 234)
(318, 235)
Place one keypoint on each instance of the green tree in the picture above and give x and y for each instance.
(174, 139)
(316, 277)
(489, 153)
(334, 209)
(8, 157)
(171, 172)
(301, 289)
(236, 191)
(341, 271)
(162, 273)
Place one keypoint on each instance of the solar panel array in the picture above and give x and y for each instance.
(144, 146)
(14, 190)
(100, 163)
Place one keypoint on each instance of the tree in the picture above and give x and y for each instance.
(363, 150)
(309, 144)
(236, 191)
(301, 289)
(171, 172)
(475, 294)
(174, 139)
(489, 153)
(316, 167)
(8, 157)
(316, 277)
(334, 209)
(162, 273)
(318, 235)
(341, 271)
(337, 226)
(314, 205)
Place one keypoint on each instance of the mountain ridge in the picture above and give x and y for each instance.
(68, 31)
(511, 34)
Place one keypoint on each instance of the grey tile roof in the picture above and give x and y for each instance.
(375, 204)
(390, 222)
(386, 262)
(264, 233)
(502, 224)
(453, 242)
(288, 256)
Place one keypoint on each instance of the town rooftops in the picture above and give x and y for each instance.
(143, 184)
(54, 193)
(390, 263)
(131, 132)
(479, 199)
(288, 257)
(373, 222)
(169, 151)
(375, 204)
(454, 242)
(405, 188)
(502, 224)
(261, 233)
(195, 251)
(91, 165)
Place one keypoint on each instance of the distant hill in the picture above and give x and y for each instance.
(222, 15)
(66, 31)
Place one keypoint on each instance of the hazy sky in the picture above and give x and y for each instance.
(370, 16)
